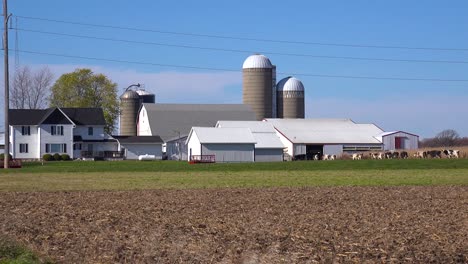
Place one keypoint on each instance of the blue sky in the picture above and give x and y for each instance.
(421, 107)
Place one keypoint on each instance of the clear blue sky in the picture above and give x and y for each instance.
(421, 107)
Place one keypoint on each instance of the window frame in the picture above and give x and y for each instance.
(25, 130)
(23, 148)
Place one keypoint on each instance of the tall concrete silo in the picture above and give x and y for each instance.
(257, 77)
(145, 96)
(130, 103)
(290, 98)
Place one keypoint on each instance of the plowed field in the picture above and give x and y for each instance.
(264, 225)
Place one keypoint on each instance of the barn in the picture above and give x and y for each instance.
(305, 138)
(134, 146)
(223, 144)
(398, 140)
(269, 147)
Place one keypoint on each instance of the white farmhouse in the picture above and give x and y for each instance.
(72, 131)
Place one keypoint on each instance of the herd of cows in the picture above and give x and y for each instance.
(445, 153)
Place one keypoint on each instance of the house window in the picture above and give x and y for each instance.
(23, 148)
(26, 130)
(90, 131)
(77, 146)
(56, 148)
(56, 130)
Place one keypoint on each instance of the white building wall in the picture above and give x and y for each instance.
(230, 152)
(333, 149)
(17, 138)
(47, 138)
(268, 155)
(135, 150)
(177, 149)
(143, 126)
(98, 132)
(410, 141)
(193, 146)
(286, 143)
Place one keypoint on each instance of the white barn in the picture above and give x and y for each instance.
(398, 140)
(225, 144)
(135, 146)
(268, 147)
(304, 138)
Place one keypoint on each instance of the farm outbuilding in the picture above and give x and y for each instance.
(224, 144)
(134, 146)
(176, 149)
(398, 140)
(268, 147)
(305, 138)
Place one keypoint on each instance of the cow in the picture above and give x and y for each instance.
(420, 154)
(395, 155)
(316, 157)
(404, 155)
(388, 155)
(332, 157)
(374, 155)
(325, 157)
(357, 156)
(434, 154)
(451, 153)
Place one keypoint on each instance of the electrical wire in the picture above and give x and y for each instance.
(240, 51)
(232, 70)
(241, 38)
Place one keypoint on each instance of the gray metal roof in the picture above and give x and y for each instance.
(167, 120)
(264, 133)
(139, 139)
(219, 135)
(326, 131)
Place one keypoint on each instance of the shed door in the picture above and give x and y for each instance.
(398, 142)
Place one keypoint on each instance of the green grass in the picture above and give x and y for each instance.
(176, 166)
(14, 253)
(213, 179)
(132, 175)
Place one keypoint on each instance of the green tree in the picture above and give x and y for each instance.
(83, 88)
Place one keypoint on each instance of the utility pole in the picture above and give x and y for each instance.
(6, 16)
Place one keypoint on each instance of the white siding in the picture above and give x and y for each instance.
(267, 155)
(333, 149)
(286, 143)
(98, 132)
(47, 138)
(143, 126)
(135, 150)
(410, 141)
(238, 152)
(31, 140)
(193, 146)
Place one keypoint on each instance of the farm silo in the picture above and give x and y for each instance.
(145, 96)
(130, 103)
(290, 98)
(257, 78)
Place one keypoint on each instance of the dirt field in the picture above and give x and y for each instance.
(277, 225)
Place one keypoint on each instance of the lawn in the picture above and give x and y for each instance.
(131, 175)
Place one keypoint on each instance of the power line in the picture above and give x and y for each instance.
(240, 51)
(232, 70)
(242, 38)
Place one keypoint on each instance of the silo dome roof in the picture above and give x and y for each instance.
(130, 94)
(257, 61)
(143, 92)
(290, 84)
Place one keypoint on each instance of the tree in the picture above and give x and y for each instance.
(30, 90)
(83, 88)
(447, 138)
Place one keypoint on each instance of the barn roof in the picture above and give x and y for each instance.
(167, 120)
(384, 134)
(218, 135)
(263, 132)
(326, 131)
(138, 139)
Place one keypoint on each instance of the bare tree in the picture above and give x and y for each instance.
(30, 90)
(448, 138)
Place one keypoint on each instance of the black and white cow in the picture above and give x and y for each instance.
(395, 155)
(404, 155)
(434, 154)
(357, 156)
(420, 154)
(451, 153)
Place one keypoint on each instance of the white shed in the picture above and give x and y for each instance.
(268, 147)
(135, 146)
(225, 144)
(399, 140)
